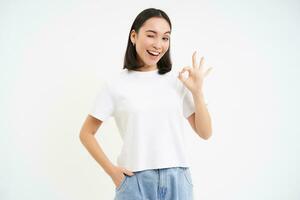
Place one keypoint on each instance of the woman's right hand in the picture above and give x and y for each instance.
(117, 175)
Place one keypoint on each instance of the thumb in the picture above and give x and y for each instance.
(181, 73)
(180, 76)
(129, 173)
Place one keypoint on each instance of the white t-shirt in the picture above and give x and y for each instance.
(149, 111)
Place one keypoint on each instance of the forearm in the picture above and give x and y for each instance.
(93, 147)
(202, 117)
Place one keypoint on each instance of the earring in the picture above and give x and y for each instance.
(133, 44)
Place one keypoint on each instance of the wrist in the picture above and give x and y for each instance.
(198, 94)
(110, 169)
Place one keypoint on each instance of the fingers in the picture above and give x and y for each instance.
(184, 69)
(128, 172)
(201, 62)
(194, 59)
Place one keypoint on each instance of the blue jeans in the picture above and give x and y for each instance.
(173, 183)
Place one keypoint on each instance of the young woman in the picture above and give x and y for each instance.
(148, 102)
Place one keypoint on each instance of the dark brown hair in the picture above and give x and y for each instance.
(164, 65)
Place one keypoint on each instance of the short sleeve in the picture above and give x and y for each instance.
(187, 100)
(188, 103)
(103, 105)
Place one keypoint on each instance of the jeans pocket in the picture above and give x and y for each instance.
(188, 177)
(122, 183)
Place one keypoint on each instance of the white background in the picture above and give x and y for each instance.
(54, 56)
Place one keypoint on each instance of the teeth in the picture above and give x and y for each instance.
(154, 53)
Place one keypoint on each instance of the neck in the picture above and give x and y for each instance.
(147, 68)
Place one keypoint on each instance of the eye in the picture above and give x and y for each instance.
(166, 39)
(151, 36)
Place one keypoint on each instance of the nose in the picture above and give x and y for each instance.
(157, 44)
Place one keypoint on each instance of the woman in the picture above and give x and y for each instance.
(148, 102)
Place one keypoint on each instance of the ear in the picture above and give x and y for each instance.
(133, 36)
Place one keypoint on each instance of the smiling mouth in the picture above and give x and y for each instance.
(153, 53)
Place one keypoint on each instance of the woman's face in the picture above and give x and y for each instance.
(152, 41)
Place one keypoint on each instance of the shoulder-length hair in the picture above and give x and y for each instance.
(130, 60)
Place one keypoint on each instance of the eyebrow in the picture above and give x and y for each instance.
(156, 32)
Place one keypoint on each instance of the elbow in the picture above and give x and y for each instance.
(205, 134)
(82, 136)
(206, 137)
(85, 132)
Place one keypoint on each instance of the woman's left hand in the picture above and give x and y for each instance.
(196, 75)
